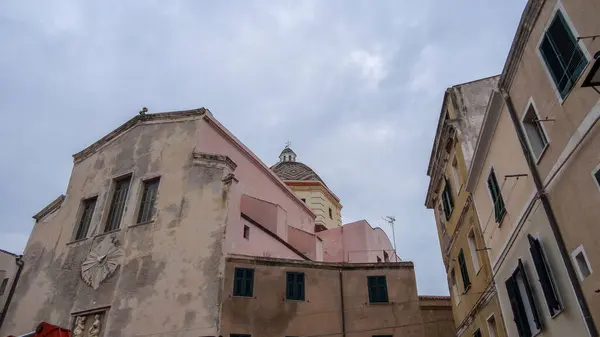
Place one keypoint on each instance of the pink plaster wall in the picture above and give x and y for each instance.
(307, 243)
(255, 177)
(269, 215)
(356, 242)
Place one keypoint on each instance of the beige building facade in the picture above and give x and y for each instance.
(475, 305)
(332, 299)
(544, 73)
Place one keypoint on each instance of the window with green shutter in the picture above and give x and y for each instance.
(543, 271)
(463, 270)
(447, 200)
(377, 289)
(294, 289)
(523, 306)
(562, 54)
(496, 194)
(243, 282)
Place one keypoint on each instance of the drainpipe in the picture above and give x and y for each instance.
(13, 287)
(589, 321)
(342, 305)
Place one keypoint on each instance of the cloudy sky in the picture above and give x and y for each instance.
(356, 86)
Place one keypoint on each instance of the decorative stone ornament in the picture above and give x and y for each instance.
(95, 327)
(101, 262)
(79, 326)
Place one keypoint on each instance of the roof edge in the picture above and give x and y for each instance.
(55, 204)
(88, 151)
(260, 260)
(529, 17)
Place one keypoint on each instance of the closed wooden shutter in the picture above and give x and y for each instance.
(542, 270)
(463, 269)
(536, 317)
(516, 303)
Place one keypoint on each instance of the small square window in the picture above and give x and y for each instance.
(294, 286)
(378, 259)
(303, 200)
(377, 289)
(246, 232)
(243, 282)
(147, 204)
(87, 211)
(581, 262)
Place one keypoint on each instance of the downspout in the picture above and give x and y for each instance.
(589, 321)
(13, 287)
(342, 305)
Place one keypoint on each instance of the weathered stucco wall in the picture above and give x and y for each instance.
(169, 276)
(268, 313)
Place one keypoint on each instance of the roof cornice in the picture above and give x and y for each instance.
(484, 141)
(163, 116)
(528, 19)
(51, 207)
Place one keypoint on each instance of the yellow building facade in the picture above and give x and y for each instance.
(475, 304)
(311, 189)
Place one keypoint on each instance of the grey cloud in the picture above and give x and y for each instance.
(355, 85)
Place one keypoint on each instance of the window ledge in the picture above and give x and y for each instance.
(539, 158)
(246, 297)
(106, 233)
(76, 241)
(557, 313)
(380, 303)
(502, 218)
(296, 301)
(142, 223)
(467, 289)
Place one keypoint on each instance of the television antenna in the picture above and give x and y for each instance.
(390, 219)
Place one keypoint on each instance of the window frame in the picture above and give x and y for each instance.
(548, 274)
(492, 330)
(3, 285)
(520, 270)
(464, 271)
(373, 282)
(473, 250)
(80, 217)
(330, 213)
(141, 199)
(574, 253)
(297, 291)
(243, 291)
(477, 333)
(560, 8)
(246, 232)
(497, 218)
(447, 195)
(113, 187)
(542, 128)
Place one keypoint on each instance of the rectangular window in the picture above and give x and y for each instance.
(562, 55)
(294, 286)
(473, 249)
(330, 213)
(477, 333)
(543, 271)
(3, 286)
(87, 210)
(581, 261)
(525, 313)
(147, 205)
(491, 324)
(386, 257)
(534, 131)
(447, 200)
(117, 205)
(377, 289)
(243, 282)
(462, 263)
(378, 259)
(496, 195)
(246, 232)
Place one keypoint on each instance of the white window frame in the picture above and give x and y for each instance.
(473, 250)
(559, 7)
(531, 103)
(491, 331)
(574, 254)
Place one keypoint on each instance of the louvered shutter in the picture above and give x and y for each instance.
(536, 317)
(544, 277)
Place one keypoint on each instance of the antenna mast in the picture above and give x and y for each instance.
(390, 219)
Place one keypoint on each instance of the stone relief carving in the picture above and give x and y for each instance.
(101, 262)
(79, 326)
(95, 328)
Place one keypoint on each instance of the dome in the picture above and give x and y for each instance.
(289, 169)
